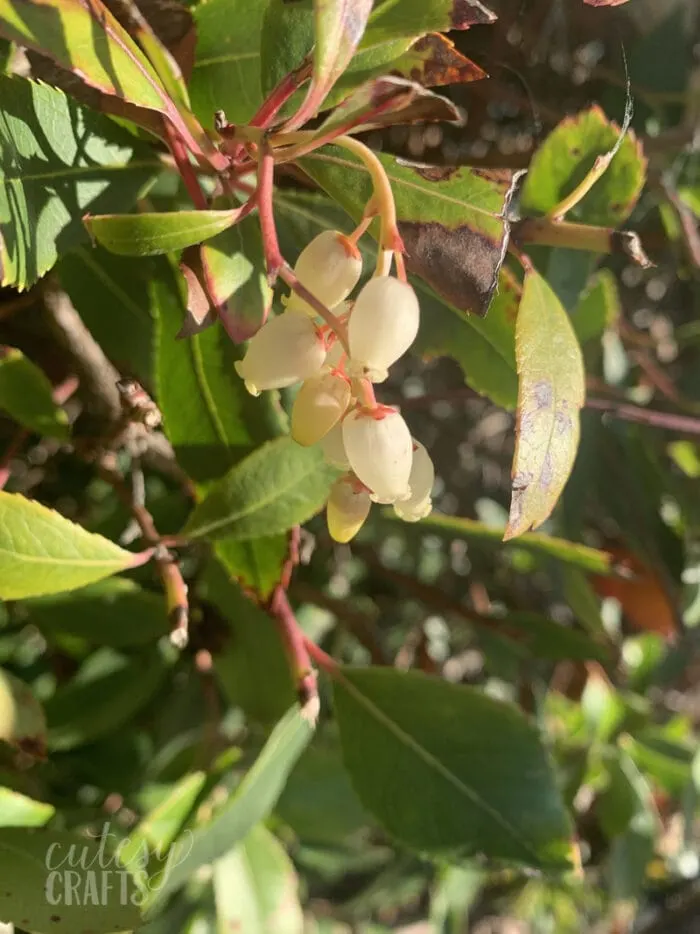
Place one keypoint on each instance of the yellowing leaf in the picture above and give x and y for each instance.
(42, 553)
(550, 394)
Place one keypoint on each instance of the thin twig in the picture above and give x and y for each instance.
(670, 421)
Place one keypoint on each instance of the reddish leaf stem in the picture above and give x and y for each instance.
(185, 167)
(266, 171)
(279, 96)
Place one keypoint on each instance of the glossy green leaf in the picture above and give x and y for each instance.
(278, 486)
(17, 810)
(477, 767)
(286, 40)
(33, 861)
(567, 155)
(87, 708)
(256, 564)
(57, 161)
(256, 888)
(599, 307)
(87, 40)
(22, 719)
(114, 612)
(252, 802)
(571, 553)
(151, 234)
(449, 218)
(121, 321)
(550, 395)
(210, 419)
(226, 73)
(43, 553)
(485, 348)
(26, 395)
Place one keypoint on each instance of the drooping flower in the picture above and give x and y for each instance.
(287, 349)
(329, 267)
(383, 325)
(348, 507)
(421, 481)
(333, 448)
(379, 447)
(320, 404)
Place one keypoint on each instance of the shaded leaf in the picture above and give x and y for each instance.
(150, 234)
(36, 861)
(226, 73)
(255, 564)
(256, 888)
(26, 395)
(565, 158)
(278, 486)
(210, 419)
(287, 39)
(17, 810)
(86, 40)
(450, 219)
(43, 553)
(252, 802)
(164, 823)
(550, 395)
(571, 553)
(22, 720)
(486, 788)
(87, 708)
(114, 612)
(599, 307)
(58, 160)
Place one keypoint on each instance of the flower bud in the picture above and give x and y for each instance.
(320, 404)
(382, 326)
(287, 349)
(421, 481)
(329, 267)
(334, 449)
(348, 507)
(380, 450)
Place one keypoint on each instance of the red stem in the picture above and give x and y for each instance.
(185, 167)
(266, 172)
(279, 96)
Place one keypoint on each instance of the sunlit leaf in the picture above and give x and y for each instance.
(150, 234)
(550, 395)
(17, 810)
(26, 395)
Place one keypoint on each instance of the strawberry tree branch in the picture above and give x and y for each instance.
(549, 232)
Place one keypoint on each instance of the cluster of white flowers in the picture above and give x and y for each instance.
(335, 406)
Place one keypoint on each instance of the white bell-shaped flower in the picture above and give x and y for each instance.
(380, 450)
(320, 404)
(287, 349)
(330, 268)
(421, 481)
(347, 509)
(382, 326)
(333, 448)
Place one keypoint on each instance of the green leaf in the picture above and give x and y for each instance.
(121, 321)
(256, 888)
(88, 41)
(571, 553)
(252, 667)
(598, 308)
(163, 824)
(256, 564)
(151, 234)
(210, 419)
(444, 214)
(17, 810)
(88, 708)
(278, 486)
(43, 553)
(477, 767)
(252, 802)
(22, 720)
(485, 348)
(114, 612)
(58, 160)
(567, 155)
(226, 73)
(287, 38)
(37, 861)
(550, 395)
(26, 395)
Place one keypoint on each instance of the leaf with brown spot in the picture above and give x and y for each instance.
(454, 228)
(551, 393)
(434, 62)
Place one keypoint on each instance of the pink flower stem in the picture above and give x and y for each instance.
(333, 321)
